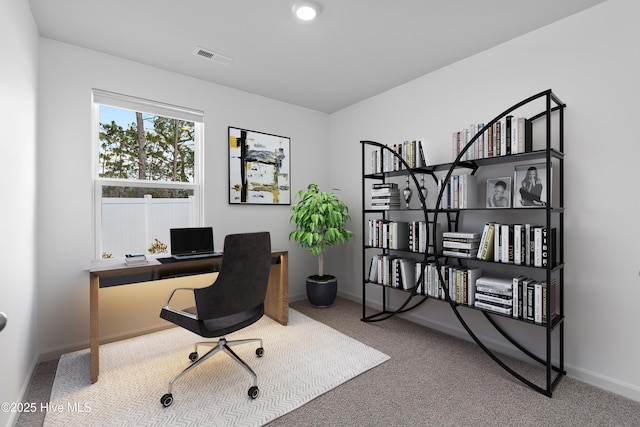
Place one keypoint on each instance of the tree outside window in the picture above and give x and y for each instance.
(146, 180)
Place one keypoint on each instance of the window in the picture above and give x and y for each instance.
(147, 175)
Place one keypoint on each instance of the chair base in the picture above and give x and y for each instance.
(224, 345)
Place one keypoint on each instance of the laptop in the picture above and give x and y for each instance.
(192, 243)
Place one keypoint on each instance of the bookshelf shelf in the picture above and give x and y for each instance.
(448, 279)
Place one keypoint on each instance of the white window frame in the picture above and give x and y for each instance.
(101, 97)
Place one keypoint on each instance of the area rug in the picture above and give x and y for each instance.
(301, 361)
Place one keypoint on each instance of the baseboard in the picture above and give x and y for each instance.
(56, 352)
(22, 395)
(628, 390)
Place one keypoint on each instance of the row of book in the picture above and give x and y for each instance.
(519, 297)
(412, 152)
(520, 244)
(391, 270)
(459, 281)
(385, 196)
(407, 236)
(460, 192)
(510, 135)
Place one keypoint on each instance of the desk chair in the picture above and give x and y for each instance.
(234, 301)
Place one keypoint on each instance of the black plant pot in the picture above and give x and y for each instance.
(322, 290)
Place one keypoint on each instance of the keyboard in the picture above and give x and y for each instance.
(197, 256)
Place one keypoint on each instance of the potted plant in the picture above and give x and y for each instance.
(320, 219)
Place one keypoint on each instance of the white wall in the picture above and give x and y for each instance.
(18, 87)
(590, 61)
(67, 75)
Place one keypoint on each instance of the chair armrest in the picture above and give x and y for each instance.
(184, 313)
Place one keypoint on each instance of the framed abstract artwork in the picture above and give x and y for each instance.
(259, 165)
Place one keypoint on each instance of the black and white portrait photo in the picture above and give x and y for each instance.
(499, 192)
(531, 186)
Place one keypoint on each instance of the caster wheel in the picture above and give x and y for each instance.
(253, 392)
(166, 400)
(260, 352)
(193, 356)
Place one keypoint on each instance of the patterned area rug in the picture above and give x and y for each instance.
(301, 361)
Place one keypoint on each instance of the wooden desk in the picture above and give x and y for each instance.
(114, 272)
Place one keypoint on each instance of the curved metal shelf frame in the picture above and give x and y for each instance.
(548, 153)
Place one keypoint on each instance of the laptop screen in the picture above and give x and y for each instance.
(191, 241)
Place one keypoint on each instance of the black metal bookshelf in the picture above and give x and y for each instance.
(552, 215)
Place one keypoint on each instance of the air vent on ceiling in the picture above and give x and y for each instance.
(212, 56)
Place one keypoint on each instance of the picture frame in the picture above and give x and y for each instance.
(531, 180)
(259, 168)
(498, 193)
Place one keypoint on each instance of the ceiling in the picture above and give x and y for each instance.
(355, 49)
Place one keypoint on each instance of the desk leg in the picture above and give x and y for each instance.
(284, 287)
(94, 338)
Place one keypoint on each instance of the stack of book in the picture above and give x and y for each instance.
(135, 259)
(494, 294)
(385, 196)
(460, 245)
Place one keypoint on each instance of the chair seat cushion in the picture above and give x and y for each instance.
(214, 327)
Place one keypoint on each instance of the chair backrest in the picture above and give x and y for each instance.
(242, 282)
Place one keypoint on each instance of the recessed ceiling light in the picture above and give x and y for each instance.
(306, 10)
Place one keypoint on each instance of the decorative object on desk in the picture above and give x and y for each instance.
(135, 259)
(157, 247)
(424, 191)
(499, 192)
(406, 194)
(531, 180)
(127, 393)
(258, 168)
(320, 219)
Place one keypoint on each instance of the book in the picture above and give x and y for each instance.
(451, 235)
(524, 135)
(506, 244)
(517, 290)
(494, 298)
(461, 253)
(552, 291)
(460, 245)
(498, 308)
(498, 283)
(472, 277)
(485, 248)
(537, 302)
(497, 242)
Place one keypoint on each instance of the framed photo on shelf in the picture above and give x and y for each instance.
(258, 168)
(499, 192)
(531, 186)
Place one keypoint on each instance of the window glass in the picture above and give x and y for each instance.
(147, 177)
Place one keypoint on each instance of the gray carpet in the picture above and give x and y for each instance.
(431, 380)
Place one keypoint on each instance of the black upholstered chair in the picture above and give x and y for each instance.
(234, 301)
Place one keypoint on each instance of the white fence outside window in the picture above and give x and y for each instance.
(130, 225)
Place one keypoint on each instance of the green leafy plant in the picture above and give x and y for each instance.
(320, 219)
